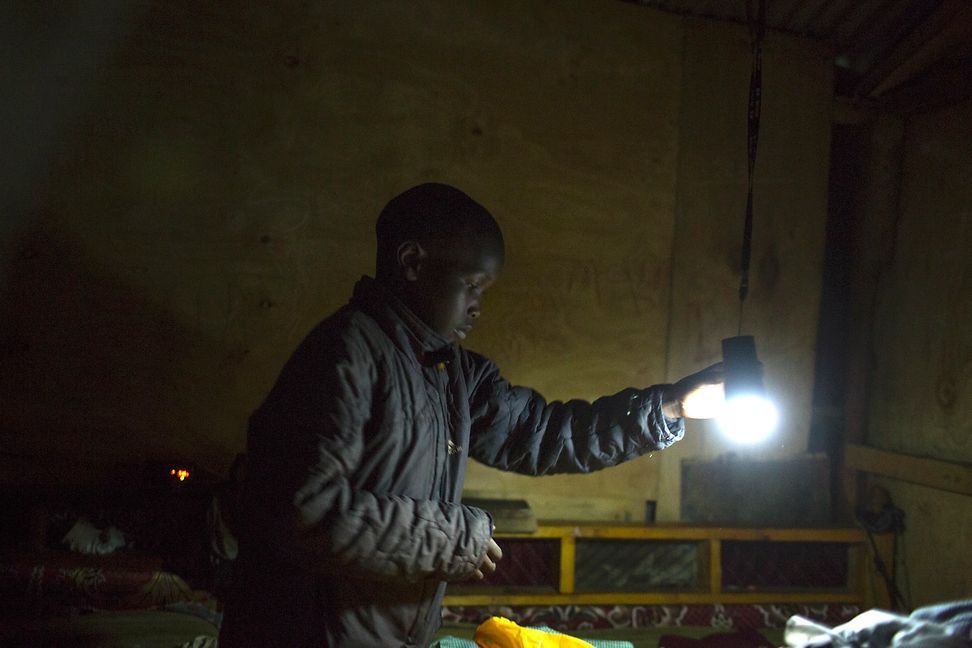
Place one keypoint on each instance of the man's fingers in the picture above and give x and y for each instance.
(488, 566)
(493, 550)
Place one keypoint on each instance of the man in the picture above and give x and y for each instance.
(357, 457)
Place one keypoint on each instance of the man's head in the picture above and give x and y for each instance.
(439, 250)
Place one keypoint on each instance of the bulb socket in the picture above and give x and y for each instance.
(742, 370)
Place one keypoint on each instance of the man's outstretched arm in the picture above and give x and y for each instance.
(514, 428)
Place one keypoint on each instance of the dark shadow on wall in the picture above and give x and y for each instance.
(94, 375)
(104, 123)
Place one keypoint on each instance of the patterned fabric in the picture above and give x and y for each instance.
(569, 618)
(201, 642)
(946, 625)
(102, 588)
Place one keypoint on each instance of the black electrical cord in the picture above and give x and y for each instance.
(886, 519)
(756, 18)
(890, 579)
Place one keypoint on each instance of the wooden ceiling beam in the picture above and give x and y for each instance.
(938, 48)
(939, 87)
(919, 48)
(934, 473)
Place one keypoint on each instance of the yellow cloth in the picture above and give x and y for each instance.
(497, 632)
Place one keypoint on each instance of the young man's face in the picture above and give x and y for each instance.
(447, 292)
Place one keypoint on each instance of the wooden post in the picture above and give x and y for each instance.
(715, 566)
(568, 552)
(876, 223)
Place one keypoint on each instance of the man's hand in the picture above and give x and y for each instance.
(493, 555)
(699, 396)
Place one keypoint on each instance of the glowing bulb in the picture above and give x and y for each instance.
(748, 419)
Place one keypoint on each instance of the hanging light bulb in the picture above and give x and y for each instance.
(749, 416)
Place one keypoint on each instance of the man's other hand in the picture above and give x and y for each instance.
(698, 396)
(493, 555)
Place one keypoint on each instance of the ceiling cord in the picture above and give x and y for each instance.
(756, 18)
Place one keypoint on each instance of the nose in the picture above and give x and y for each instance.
(473, 312)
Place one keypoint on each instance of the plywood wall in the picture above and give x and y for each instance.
(921, 376)
(208, 189)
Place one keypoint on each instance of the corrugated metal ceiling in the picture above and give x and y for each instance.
(878, 45)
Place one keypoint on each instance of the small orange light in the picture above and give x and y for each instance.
(181, 473)
(172, 472)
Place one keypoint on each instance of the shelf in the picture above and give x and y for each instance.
(707, 569)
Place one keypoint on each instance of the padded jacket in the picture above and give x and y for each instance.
(355, 466)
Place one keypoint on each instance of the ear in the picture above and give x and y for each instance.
(411, 259)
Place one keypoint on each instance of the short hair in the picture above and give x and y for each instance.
(432, 211)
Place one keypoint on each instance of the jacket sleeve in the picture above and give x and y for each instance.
(301, 493)
(516, 429)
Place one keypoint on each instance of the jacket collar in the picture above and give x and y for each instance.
(408, 332)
